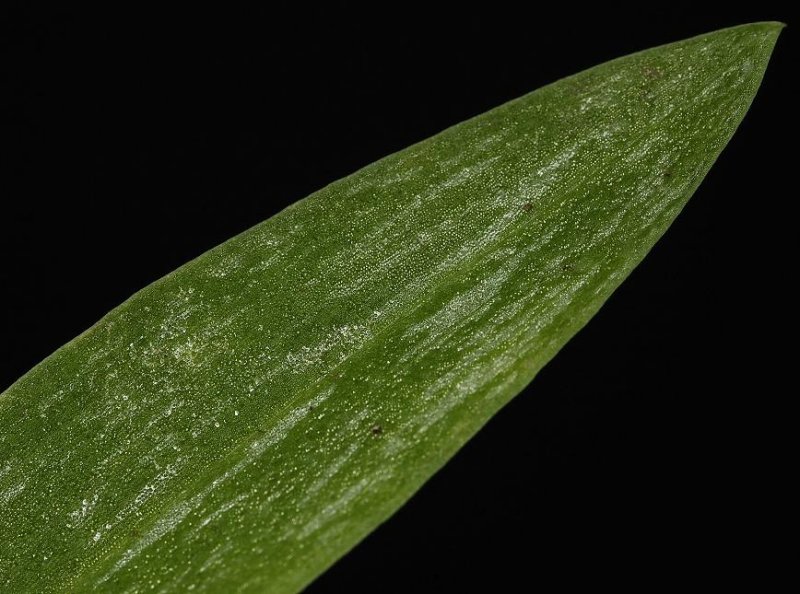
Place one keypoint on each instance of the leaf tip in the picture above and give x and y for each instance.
(746, 47)
(764, 30)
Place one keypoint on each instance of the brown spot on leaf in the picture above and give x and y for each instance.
(376, 430)
(652, 72)
(527, 207)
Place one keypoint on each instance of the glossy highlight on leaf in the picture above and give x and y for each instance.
(243, 422)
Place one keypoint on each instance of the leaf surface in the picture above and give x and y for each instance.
(243, 422)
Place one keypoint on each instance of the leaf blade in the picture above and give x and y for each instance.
(361, 336)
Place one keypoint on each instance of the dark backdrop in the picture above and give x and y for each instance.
(131, 143)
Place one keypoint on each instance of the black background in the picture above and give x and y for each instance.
(131, 143)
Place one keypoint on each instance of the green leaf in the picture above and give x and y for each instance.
(243, 422)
